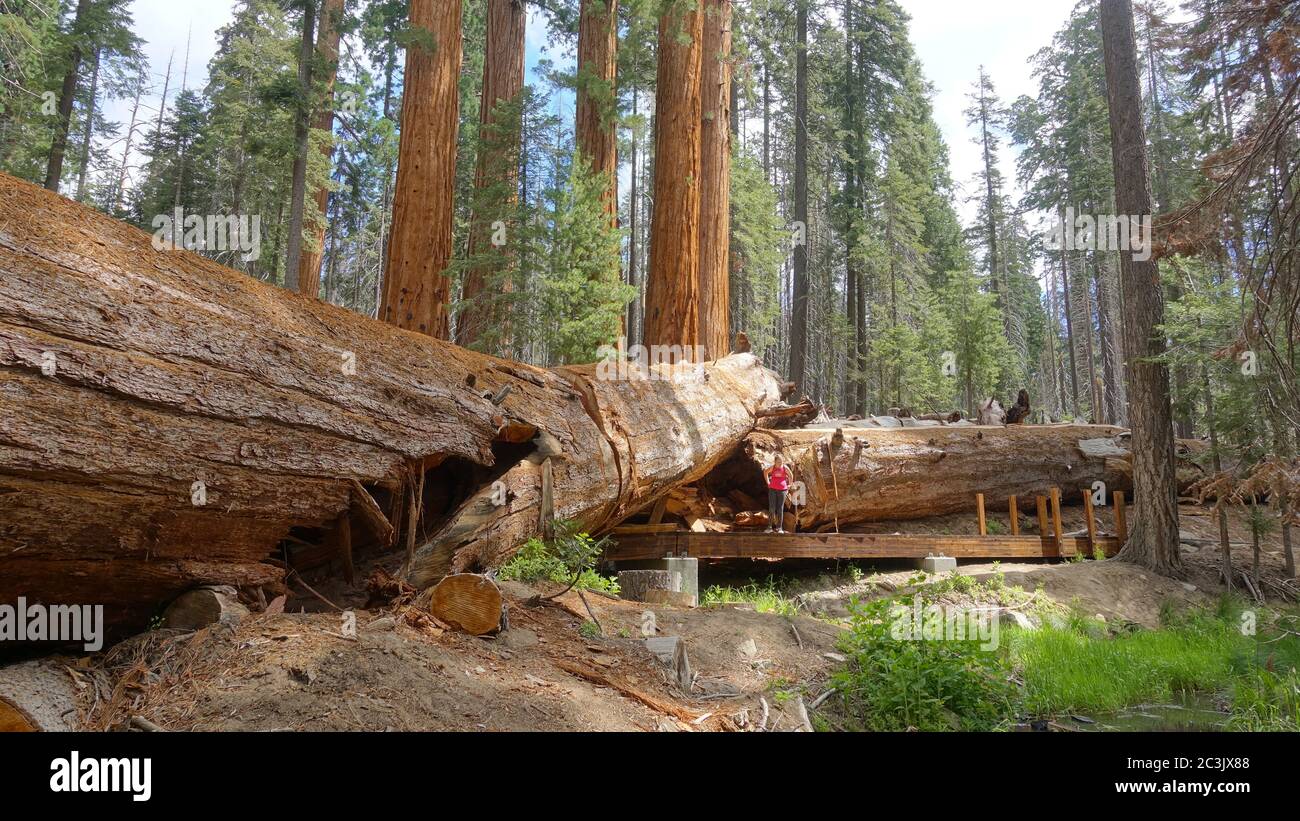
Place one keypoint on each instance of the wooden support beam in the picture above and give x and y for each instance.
(1121, 519)
(657, 514)
(1014, 516)
(1056, 520)
(1090, 516)
(842, 546)
(343, 542)
(979, 509)
(1042, 520)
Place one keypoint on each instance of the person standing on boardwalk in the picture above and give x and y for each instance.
(778, 478)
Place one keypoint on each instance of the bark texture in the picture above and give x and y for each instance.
(498, 165)
(595, 119)
(672, 301)
(416, 287)
(715, 181)
(1153, 542)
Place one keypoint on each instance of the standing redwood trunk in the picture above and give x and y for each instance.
(1153, 540)
(327, 52)
(416, 288)
(672, 291)
(498, 164)
(302, 135)
(597, 66)
(799, 309)
(715, 180)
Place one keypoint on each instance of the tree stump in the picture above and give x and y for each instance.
(635, 584)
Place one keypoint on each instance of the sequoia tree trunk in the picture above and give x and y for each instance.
(498, 172)
(416, 288)
(715, 181)
(595, 116)
(672, 301)
(166, 422)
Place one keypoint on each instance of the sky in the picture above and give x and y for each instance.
(953, 38)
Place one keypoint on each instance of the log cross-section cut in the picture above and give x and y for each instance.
(166, 422)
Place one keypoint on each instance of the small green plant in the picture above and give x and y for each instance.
(589, 630)
(1098, 555)
(994, 527)
(855, 574)
(568, 559)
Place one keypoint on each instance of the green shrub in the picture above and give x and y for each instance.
(570, 552)
(895, 684)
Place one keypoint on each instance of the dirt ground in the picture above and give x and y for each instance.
(301, 671)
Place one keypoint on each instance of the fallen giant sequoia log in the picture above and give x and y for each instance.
(166, 422)
(874, 474)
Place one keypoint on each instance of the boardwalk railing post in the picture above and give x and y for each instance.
(1015, 517)
(1043, 535)
(1091, 517)
(979, 504)
(1056, 521)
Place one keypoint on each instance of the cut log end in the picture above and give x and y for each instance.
(467, 601)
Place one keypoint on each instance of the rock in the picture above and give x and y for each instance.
(1189, 587)
(747, 649)
(1018, 619)
(836, 657)
(518, 638)
(203, 606)
(383, 623)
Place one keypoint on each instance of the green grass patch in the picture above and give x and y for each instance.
(766, 597)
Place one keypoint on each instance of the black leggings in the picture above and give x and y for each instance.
(776, 508)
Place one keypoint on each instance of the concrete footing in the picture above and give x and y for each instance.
(937, 564)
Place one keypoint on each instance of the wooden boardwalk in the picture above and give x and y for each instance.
(757, 545)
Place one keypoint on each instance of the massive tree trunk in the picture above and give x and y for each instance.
(327, 54)
(715, 181)
(416, 288)
(642, 438)
(799, 309)
(595, 118)
(167, 422)
(911, 473)
(672, 306)
(498, 168)
(301, 141)
(1154, 536)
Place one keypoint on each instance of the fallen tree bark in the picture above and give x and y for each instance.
(166, 422)
(873, 474)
